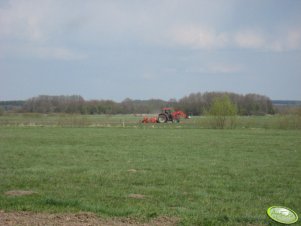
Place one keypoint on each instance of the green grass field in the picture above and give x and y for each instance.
(201, 176)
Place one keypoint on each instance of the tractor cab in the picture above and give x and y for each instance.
(167, 110)
(168, 113)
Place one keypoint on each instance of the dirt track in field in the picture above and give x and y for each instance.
(79, 219)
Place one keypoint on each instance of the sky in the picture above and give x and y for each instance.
(143, 49)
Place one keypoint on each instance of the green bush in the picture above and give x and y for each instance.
(223, 112)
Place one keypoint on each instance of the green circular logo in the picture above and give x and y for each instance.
(282, 214)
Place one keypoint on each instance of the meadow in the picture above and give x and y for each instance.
(286, 121)
(115, 167)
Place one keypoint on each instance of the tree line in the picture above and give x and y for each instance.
(195, 103)
(249, 104)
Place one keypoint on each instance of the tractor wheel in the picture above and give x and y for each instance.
(162, 118)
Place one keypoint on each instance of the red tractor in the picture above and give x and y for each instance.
(166, 115)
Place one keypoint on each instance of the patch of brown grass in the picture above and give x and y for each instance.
(136, 196)
(19, 193)
(79, 219)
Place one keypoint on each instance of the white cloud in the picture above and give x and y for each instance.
(198, 37)
(249, 39)
(30, 29)
(49, 25)
(149, 76)
(294, 39)
(25, 20)
(216, 68)
(33, 29)
(57, 53)
(41, 52)
(285, 41)
(225, 68)
(275, 46)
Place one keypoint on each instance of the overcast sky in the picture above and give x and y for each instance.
(142, 49)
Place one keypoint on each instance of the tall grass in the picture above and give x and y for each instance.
(285, 121)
